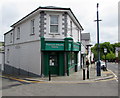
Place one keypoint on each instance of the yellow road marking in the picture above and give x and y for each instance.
(21, 80)
(74, 82)
(106, 72)
(68, 82)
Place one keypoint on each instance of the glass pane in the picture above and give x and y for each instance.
(54, 28)
(53, 60)
(73, 57)
(53, 19)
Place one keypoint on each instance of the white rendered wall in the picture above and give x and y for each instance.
(25, 56)
(75, 35)
(84, 42)
(8, 39)
(25, 30)
(1, 61)
(75, 31)
(83, 49)
(25, 52)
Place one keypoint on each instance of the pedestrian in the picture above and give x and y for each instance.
(87, 63)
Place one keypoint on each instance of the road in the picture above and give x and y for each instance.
(113, 67)
(100, 88)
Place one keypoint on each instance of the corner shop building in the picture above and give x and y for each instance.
(60, 57)
(47, 39)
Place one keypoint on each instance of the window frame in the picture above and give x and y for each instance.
(8, 53)
(11, 37)
(32, 27)
(53, 24)
(18, 33)
(78, 35)
(71, 28)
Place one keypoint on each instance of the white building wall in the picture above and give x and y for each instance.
(8, 40)
(25, 30)
(79, 60)
(25, 52)
(1, 61)
(25, 56)
(75, 31)
(75, 35)
(83, 49)
(84, 42)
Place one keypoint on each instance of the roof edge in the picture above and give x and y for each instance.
(57, 8)
(8, 31)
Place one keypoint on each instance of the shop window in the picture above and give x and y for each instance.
(72, 58)
(54, 24)
(53, 60)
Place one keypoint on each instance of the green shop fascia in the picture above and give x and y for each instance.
(59, 57)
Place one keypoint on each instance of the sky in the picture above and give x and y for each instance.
(84, 10)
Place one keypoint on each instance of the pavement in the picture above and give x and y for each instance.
(76, 77)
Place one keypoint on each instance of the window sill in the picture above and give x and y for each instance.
(7, 61)
(17, 38)
(32, 34)
(54, 33)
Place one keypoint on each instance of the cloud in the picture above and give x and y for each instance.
(84, 10)
(10, 13)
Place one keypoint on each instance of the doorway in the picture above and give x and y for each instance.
(54, 63)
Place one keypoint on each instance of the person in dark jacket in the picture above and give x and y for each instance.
(87, 63)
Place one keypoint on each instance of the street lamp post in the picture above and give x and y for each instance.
(105, 51)
(98, 48)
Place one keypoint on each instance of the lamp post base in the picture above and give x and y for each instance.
(98, 68)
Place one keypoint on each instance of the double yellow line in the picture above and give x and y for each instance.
(68, 82)
(20, 80)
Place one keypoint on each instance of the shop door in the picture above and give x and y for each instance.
(53, 63)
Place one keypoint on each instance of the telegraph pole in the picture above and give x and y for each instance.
(98, 47)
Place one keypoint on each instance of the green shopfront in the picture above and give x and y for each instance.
(59, 57)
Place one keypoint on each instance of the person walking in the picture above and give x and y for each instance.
(87, 65)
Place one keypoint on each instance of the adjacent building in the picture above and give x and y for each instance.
(86, 48)
(46, 40)
(1, 55)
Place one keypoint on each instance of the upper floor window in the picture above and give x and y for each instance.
(54, 23)
(70, 28)
(11, 37)
(7, 58)
(32, 26)
(78, 35)
(18, 32)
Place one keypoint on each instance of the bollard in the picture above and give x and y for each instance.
(49, 76)
(83, 74)
(87, 73)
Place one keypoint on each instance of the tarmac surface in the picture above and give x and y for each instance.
(76, 77)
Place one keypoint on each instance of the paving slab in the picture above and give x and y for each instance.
(74, 77)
